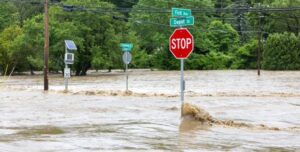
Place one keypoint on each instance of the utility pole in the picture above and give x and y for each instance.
(46, 46)
(259, 46)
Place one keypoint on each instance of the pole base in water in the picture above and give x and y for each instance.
(195, 112)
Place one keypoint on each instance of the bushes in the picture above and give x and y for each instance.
(216, 60)
(282, 52)
(246, 56)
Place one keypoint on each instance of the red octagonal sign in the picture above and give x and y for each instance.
(181, 43)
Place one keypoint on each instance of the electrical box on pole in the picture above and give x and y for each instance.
(70, 48)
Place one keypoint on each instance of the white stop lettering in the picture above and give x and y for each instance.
(181, 43)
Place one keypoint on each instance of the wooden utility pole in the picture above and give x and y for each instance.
(46, 46)
(259, 46)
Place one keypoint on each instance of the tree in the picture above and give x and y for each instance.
(124, 4)
(222, 37)
(27, 9)
(275, 22)
(8, 15)
(246, 56)
(32, 43)
(7, 50)
(222, 43)
(216, 60)
(282, 52)
(61, 30)
(100, 34)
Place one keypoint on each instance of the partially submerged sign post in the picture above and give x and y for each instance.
(70, 48)
(127, 57)
(181, 42)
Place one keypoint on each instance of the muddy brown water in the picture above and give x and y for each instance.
(97, 115)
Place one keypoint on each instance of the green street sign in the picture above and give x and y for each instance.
(179, 12)
(186, 21)
(126, 47)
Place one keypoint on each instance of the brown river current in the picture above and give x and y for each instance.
(225, 111)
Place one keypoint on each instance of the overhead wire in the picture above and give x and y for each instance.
(151, 9)
(166, 10)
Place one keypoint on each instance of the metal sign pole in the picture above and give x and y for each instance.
(126, 70)
(182, 84)
(66, 67)
(126, 77)
(66, 80)
(126, 59)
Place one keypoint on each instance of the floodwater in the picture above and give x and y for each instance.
(98, 115)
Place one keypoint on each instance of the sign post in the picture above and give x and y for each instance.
(181, 42)
(127, 57)
(67, 75)
(70, 47)
(181, 45)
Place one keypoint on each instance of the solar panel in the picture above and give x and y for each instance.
(70, 45)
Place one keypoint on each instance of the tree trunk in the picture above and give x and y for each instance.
(31, 70)
(83, 72)
(77, 72)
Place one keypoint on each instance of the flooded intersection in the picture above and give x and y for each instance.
(100, 116)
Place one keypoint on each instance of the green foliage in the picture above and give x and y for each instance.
(216, 60)
(222, 37)
(246, 56)
(220, 43)
(163, 59)
(26, 10)
(98, 60)
(276, 22)
(32, 43)
(99, 34)
(282, 52)
(7, 50)
(194, 62)
(8, 15)
(141, 60)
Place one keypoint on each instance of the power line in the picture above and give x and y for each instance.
(145, 6)
(166, 10)
(32, 2)
(168, 26)
(159, 10)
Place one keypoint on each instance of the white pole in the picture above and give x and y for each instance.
(66, 67)
(126, 77)
(126, 69)
(182, 84)
(66, 79)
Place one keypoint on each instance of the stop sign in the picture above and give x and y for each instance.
(181, 43)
